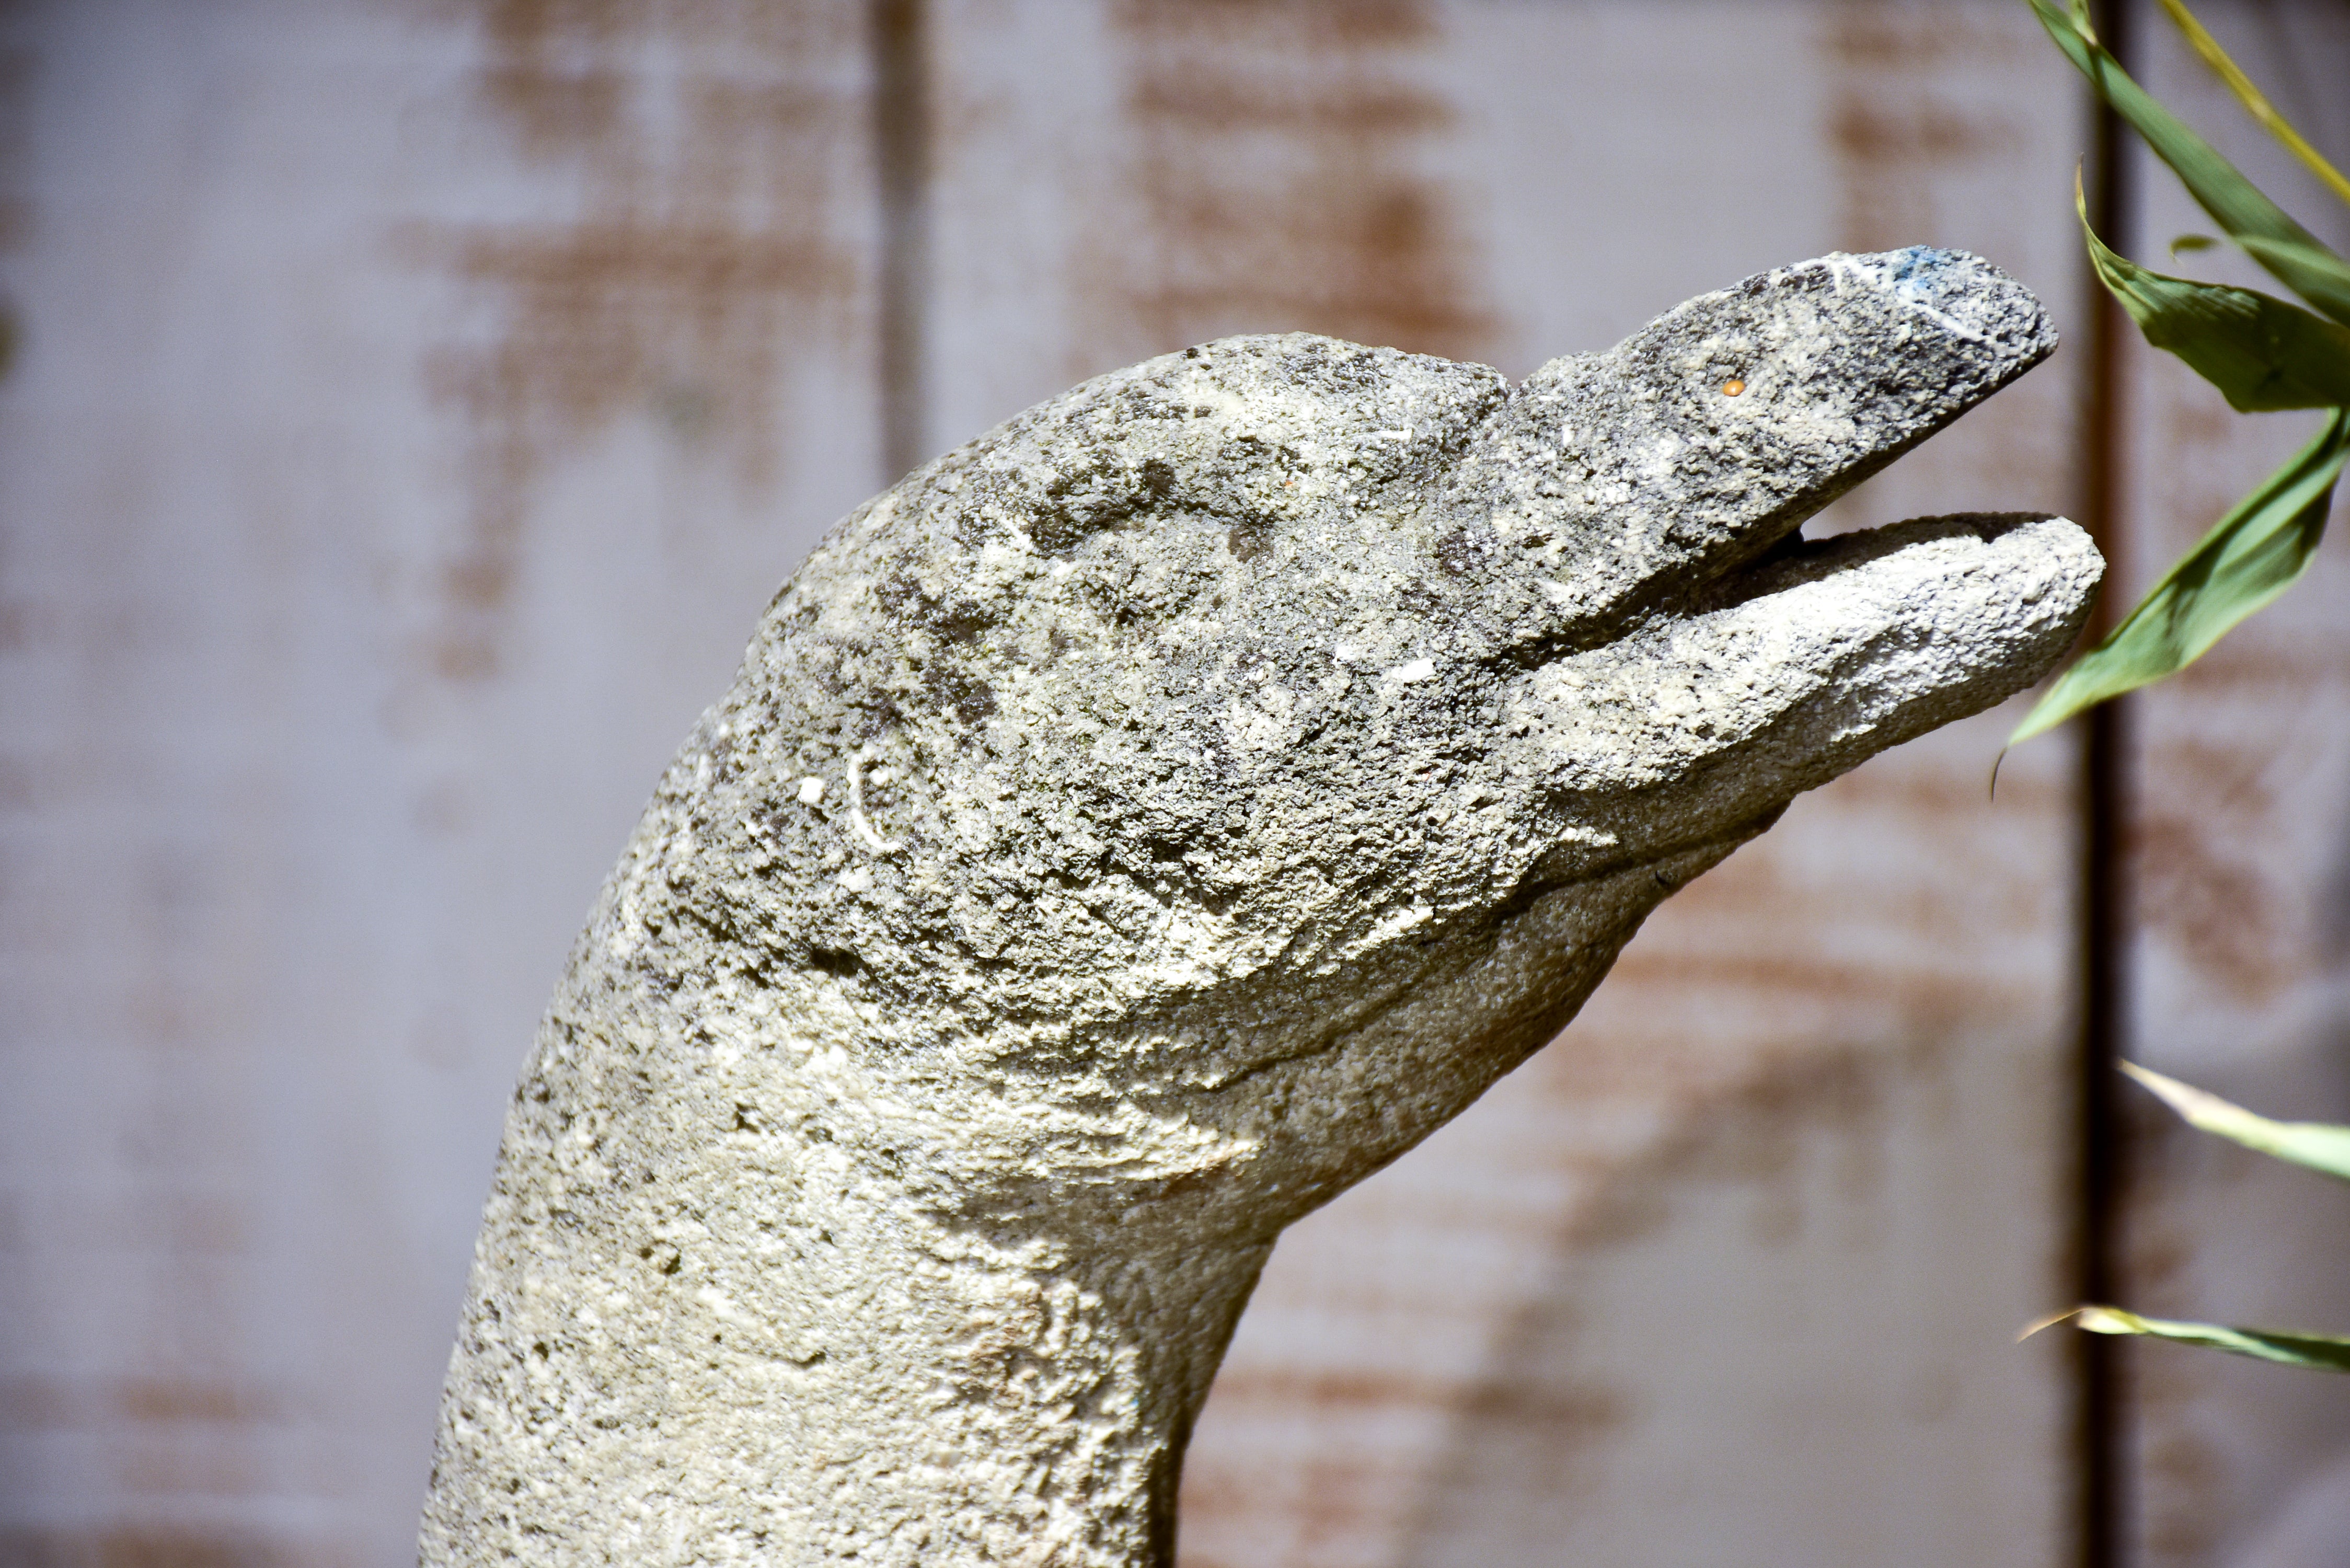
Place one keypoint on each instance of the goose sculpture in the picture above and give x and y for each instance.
(1131, 829)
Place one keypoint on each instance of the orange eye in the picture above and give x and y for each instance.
(1732, 387)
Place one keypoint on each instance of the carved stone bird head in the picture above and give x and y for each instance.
(1138, 826)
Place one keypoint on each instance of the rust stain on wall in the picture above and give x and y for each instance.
(1529, 1438)
(1321, 1505)
(1278, 174)
(1365, 1391)
(136, 1546)
(1936, 998)
(45, 1402)
(16, 70)
(2208, 892)
(705, 247)
(1895, 131)
(1754, 1131)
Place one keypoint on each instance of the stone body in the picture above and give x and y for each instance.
(1130, 830)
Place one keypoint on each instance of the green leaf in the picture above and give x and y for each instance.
(2249, 558)
(2255, 102)
(2308, 268)
(2262, 353)
(2289, 251)
(2318, 1352)
(2317, 1145)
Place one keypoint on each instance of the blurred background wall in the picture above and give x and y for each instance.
(411, 404)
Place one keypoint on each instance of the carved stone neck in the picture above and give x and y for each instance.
(759, 1330)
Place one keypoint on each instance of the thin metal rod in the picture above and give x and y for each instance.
(2104, 804)
(898, 30)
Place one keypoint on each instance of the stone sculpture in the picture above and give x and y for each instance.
(1135, 827)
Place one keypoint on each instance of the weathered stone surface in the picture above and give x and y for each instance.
(1133, 829)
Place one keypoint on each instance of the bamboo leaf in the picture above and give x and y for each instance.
(2308, 268)
(2249, 556)
(2317, 1145)
(2255, 103)
(2317, 1351)
(2265, 231)
(2261, 352)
